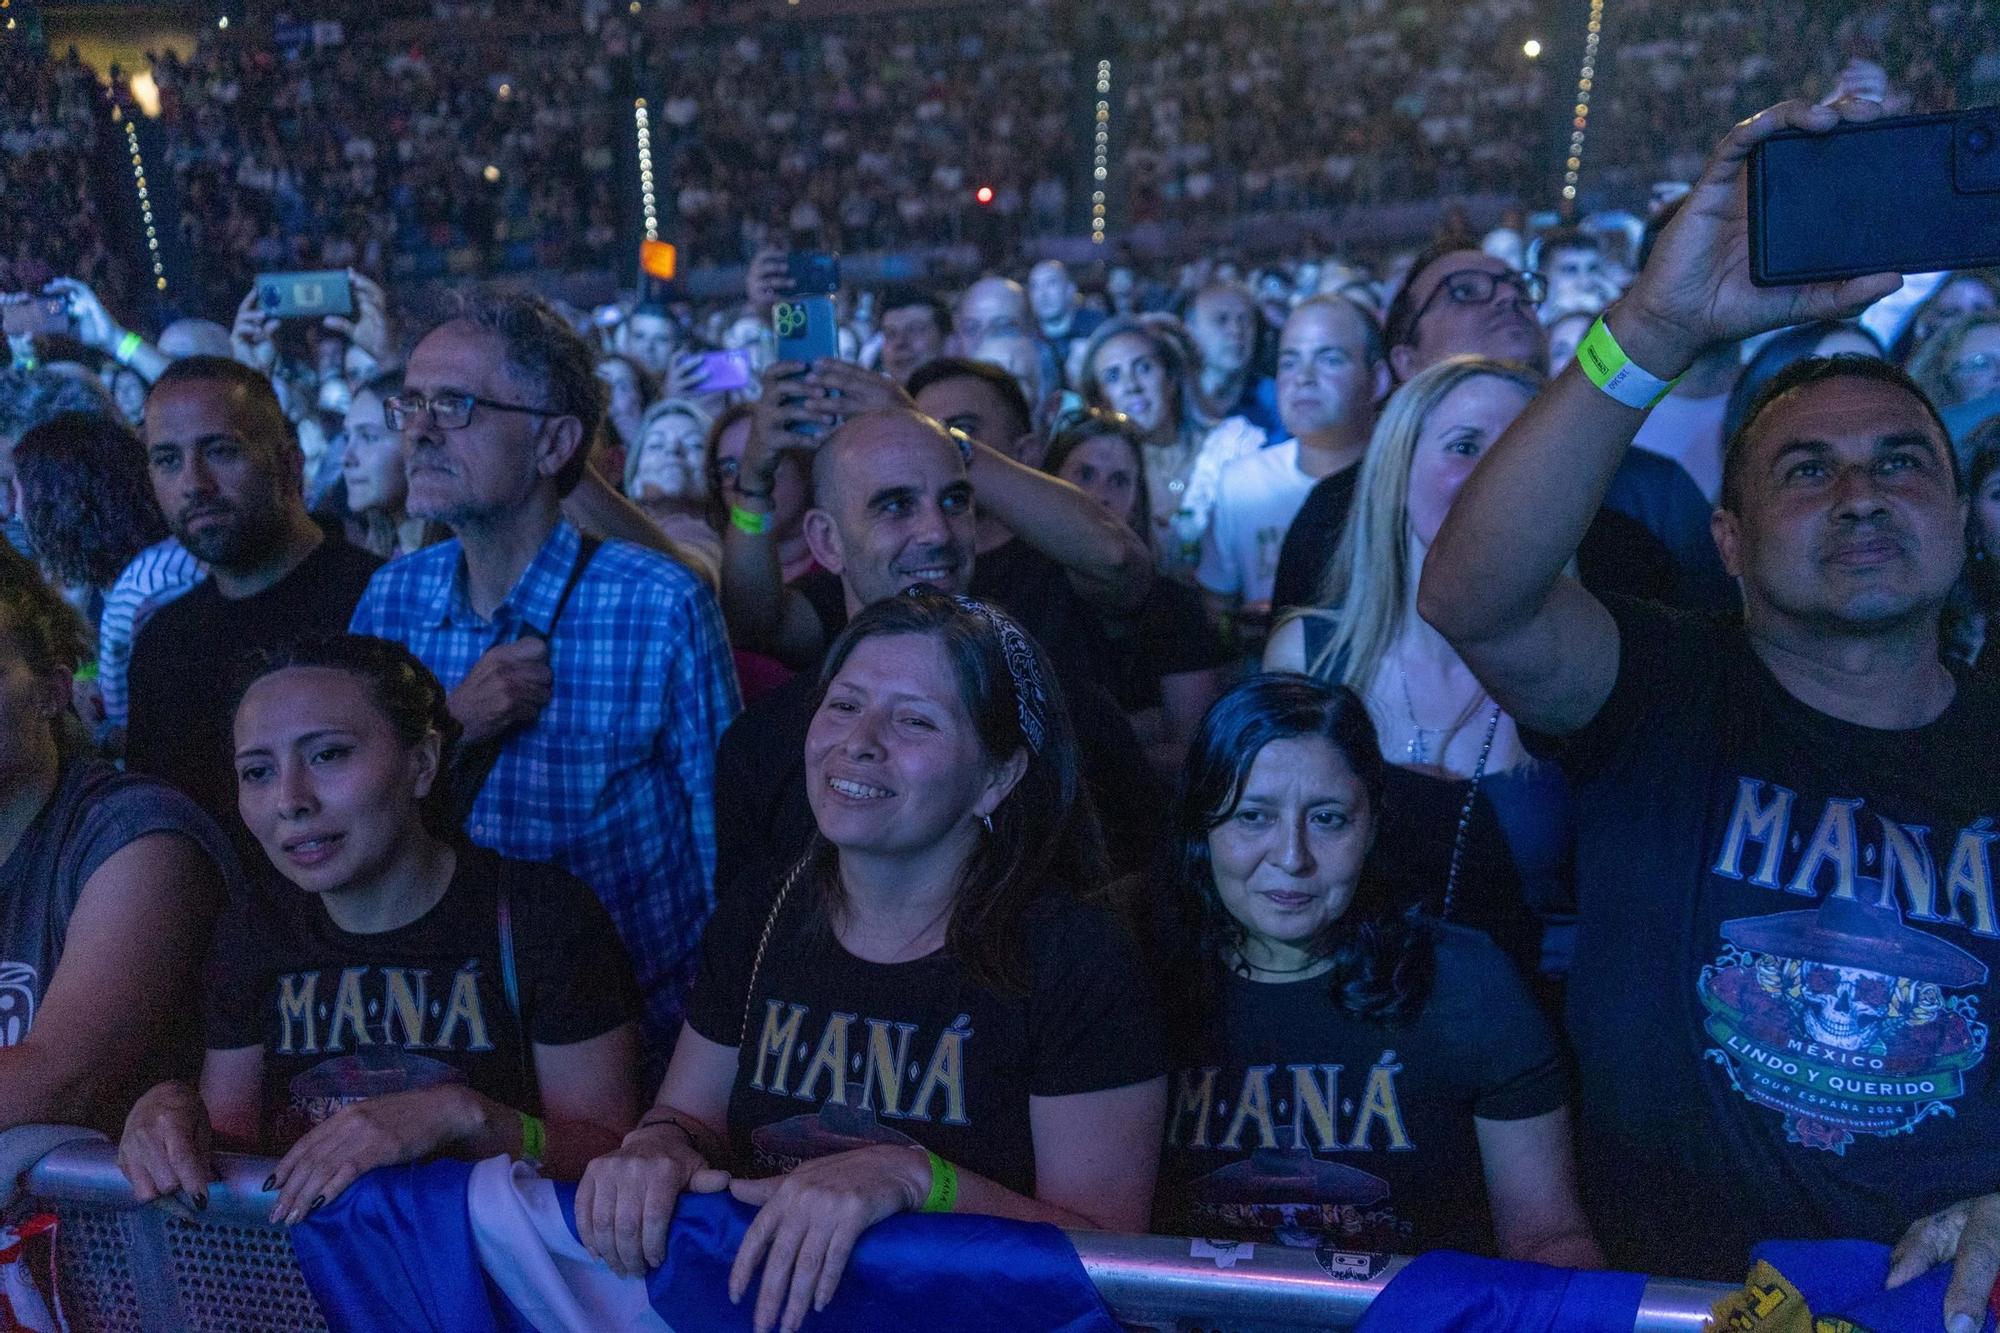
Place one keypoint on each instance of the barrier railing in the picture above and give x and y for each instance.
(163, 1268)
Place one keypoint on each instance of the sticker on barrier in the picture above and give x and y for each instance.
(1348, 1265)
(1226, 1253)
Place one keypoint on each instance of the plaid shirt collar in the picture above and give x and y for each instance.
(532, 599)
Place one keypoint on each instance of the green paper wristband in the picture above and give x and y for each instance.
(944, 1185)
(126, 346)
(534, 1139)
(749, 521)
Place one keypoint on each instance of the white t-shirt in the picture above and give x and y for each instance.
(1256, 500)
(1689, 431)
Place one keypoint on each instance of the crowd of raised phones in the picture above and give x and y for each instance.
(1319, 765)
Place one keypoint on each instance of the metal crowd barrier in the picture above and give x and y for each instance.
(163, 1268)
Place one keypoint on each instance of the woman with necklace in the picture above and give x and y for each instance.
(1352, 1073)
(1476, 831)
(929, 1011)
(1148, 369)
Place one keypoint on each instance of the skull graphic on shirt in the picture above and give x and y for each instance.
(17, 1001)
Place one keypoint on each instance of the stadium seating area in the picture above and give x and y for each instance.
(451, 139)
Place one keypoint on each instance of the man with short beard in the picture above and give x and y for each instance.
(228, 475)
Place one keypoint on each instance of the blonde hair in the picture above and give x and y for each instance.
(665, 407)
(1366, 588)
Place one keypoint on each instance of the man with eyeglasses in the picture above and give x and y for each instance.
(228, 474)
(593, 679)
(1461, 301)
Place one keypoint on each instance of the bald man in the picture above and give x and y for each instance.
(892, 508)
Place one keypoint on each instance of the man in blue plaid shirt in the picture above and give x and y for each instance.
(609, 705)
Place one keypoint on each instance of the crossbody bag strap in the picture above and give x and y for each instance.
(473, 764)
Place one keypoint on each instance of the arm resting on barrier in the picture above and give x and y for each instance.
(1096, 1154)
(1966, 1236)
(125, 980)
(1531, 1188)
(585, 1100)
(1142, 1278)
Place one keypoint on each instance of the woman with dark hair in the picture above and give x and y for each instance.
(417, 994)
(1149, 369)
(981, 1035)
(86, 500)
(372, 471)
(93, 522)
(1421, 1102)
(111, 883)
(1171, 664)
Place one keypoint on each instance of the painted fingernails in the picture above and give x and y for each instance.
(270, 1182)
(318, 1199)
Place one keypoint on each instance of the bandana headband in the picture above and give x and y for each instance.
(1030, 699)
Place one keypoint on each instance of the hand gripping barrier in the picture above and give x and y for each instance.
(165, 1268)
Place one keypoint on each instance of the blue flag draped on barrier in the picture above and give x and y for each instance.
(1462, 1293)
(447, 1247)
(1792, 1284)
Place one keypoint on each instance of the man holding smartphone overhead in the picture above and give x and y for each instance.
(1788, 930)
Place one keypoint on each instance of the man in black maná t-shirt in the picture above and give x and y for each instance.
(1788, 930)
(228, 475)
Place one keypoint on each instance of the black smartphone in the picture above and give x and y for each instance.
(36, 316)
(812, 273)
(1911, 194)
(305, 295)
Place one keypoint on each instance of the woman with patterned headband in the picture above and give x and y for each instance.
(923, 1013)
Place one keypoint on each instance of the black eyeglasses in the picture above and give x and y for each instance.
(449, 410)
(1476, 286)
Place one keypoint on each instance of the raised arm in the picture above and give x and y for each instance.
(1106, 561)
(96, 329)
(764, 615)
(1493, 581)
(595, 506)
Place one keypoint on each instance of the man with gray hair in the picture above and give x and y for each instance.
(593, 678)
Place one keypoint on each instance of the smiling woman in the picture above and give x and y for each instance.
(1415, 1067)
(416, 994)
(928, 1011)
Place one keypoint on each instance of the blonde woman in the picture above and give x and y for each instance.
(1148, 369)
(1472, 828)
(666, 475)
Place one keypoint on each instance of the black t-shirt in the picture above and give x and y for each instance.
(841, 1053)
(1022, 582)
(344, 1017)
(1314, 1127)
(760, 777)
(1170, 634)
(1310, 541)
(95, 813)
(184, 666)
(1787, 931)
